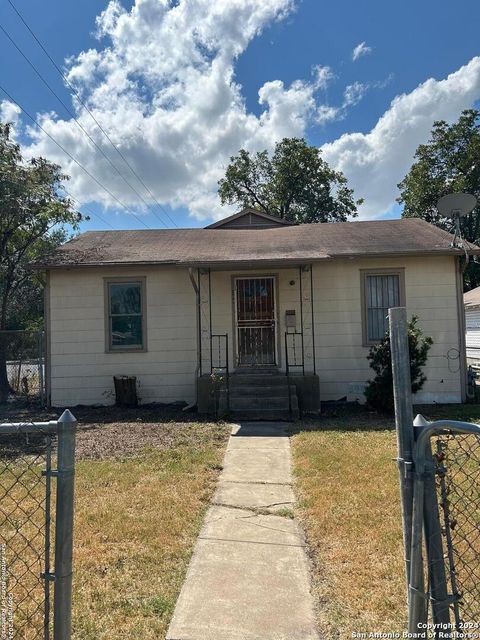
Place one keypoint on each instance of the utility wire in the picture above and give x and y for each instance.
(72, 197)
(82, 102)
(67, 153)
(89, 211)
(70, 112)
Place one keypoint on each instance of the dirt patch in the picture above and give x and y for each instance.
(111, 432)
(126, 439)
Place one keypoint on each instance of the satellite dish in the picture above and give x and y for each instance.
(456, 205)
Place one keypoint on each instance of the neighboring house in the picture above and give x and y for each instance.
(166, 305)
(471, 301)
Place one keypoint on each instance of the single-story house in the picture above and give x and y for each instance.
(471, 301)
(255, 298)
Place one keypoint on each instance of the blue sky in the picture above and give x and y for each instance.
(222, 59)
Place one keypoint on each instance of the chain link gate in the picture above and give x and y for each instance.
(439, 465)
(33, 497)
(446, 520)
(457, 468)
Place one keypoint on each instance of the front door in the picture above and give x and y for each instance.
(256, 321)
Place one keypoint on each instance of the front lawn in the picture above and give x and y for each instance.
(143, 482)
(347, 483)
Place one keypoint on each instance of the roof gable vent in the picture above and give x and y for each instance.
(249, 219)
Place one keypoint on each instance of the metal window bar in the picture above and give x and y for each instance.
(383, 292)
(256, 321)
(25, 528)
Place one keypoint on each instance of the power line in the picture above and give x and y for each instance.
(67, 153)
(89, 211)
(81, 127)
(82, 102)
(69, 195)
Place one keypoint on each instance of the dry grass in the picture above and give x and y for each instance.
(347, 483)
(349, 493)
(141, 492)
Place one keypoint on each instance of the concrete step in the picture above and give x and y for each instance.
(254, 403)
(258, 380)
(243, 390)
(260, 371)
(266, 414)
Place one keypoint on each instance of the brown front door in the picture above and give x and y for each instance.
(256, 321)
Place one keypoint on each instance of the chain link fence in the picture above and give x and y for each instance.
(444, 575)
(22, 361)
(439, 472)
(457, 467)
(36, 503)
(25, 511)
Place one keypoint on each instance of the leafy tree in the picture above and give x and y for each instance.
(379, 391)
(448, 163)
(31, 225)
(295, 184)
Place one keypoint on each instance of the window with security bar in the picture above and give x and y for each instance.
(255, 311)
(381, 290)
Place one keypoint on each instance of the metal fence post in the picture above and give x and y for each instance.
(402, 392)
(433, 540)
(62, 615)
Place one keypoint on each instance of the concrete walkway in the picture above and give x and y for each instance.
(249, 577)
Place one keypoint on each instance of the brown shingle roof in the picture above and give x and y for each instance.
(306, 242)
(471, 299)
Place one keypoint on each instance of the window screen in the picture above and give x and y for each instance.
(382, 292)
(125, 306)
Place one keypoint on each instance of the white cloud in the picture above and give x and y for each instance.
(375, 162)
(163, 86)
(360, 50)
(162, 83)
(326, 113)
(354, 93)
(9, 112)
(322, 76)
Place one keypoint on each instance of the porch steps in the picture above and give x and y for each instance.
(262, 391)
(262, 396)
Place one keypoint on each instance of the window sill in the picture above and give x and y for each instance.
(126, 350)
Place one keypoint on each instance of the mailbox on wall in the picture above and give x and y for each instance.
(290, 319)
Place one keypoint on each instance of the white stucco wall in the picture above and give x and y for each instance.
(82, 372)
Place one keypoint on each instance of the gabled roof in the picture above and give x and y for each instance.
(248, 218)
(248, 247)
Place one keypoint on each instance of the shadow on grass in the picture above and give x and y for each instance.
(27, 412)
(356, 417)
(106, 432)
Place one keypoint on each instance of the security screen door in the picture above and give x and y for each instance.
(256, 321)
